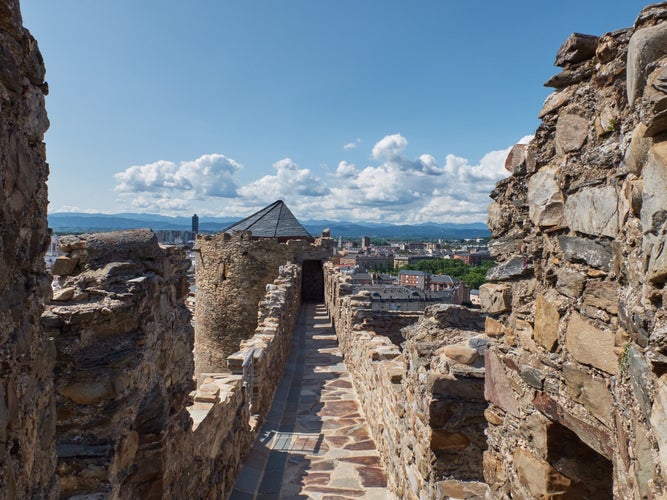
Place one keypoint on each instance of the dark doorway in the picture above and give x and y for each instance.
(312, 284)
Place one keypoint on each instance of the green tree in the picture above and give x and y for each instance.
(456, 268)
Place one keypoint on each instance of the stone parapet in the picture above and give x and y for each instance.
(420, 381)
(269, 347)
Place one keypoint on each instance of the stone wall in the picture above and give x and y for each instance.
(429, 428)
(270, 345)
(27, 410)
(124, 365)
(129, 424)
(577, 381)
(231, 274)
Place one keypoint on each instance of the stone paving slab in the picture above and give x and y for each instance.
(315, 442)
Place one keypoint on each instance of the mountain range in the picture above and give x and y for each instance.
(74, 222)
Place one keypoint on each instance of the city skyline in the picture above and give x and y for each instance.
(380, 112)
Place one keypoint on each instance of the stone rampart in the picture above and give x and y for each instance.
(429, 428)
(269, 347)
(129, 424)
(231, 274)
(124, 365)
(27, 410)
(577, 380)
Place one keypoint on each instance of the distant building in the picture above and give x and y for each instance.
(195, 223)
(365, 242)
(400, 298)
(441, 282)
(415, 279)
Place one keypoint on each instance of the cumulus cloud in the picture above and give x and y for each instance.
(352, 145)
(389, 147)
(346, 169)
(289, 182)
(393, 187)
(208, 175)
(403, 190)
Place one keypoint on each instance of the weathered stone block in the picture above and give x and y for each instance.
(493, 327)
(646, 46)
(460, 353)
(513, 268)
(641, 377)
(443, 440)
(537, 476)
(494, 298)
(590, 345)
(590, 391)
(547, 319)
(577, 48)
(571, 133)
(569, 282)
(602, 295)
(516, 159)
(555, 100)
(594, 253)
(659, 421)
(654, 102)
(545, 199)
(64, 266)
(637, 151)
(86, 393)
(596, 211)
(498, 388)
(654, 212)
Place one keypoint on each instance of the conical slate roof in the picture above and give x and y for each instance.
(274, 221)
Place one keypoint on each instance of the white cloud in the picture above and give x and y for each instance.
(392, 188)
(208, 175)
(398, 189)
(352, 145)
(389, 147)
(346, 169)
(289, 183)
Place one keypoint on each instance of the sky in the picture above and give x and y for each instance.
(390, 111)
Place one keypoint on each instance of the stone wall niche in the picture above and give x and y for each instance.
(590, 475)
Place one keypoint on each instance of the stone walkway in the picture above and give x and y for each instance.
(315, 441)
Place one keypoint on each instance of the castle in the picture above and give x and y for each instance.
(557, 388)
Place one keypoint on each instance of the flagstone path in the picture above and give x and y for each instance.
(315, 441)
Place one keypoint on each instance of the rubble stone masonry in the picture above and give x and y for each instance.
(129, 423)
(124, 365)
(27, 408)
(577, 379)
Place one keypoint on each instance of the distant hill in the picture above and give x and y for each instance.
(73, 222)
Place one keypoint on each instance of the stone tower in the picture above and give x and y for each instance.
(232, 270)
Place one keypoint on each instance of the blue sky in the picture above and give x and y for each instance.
(390, 111)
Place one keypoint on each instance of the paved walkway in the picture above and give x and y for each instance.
(315, 442)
